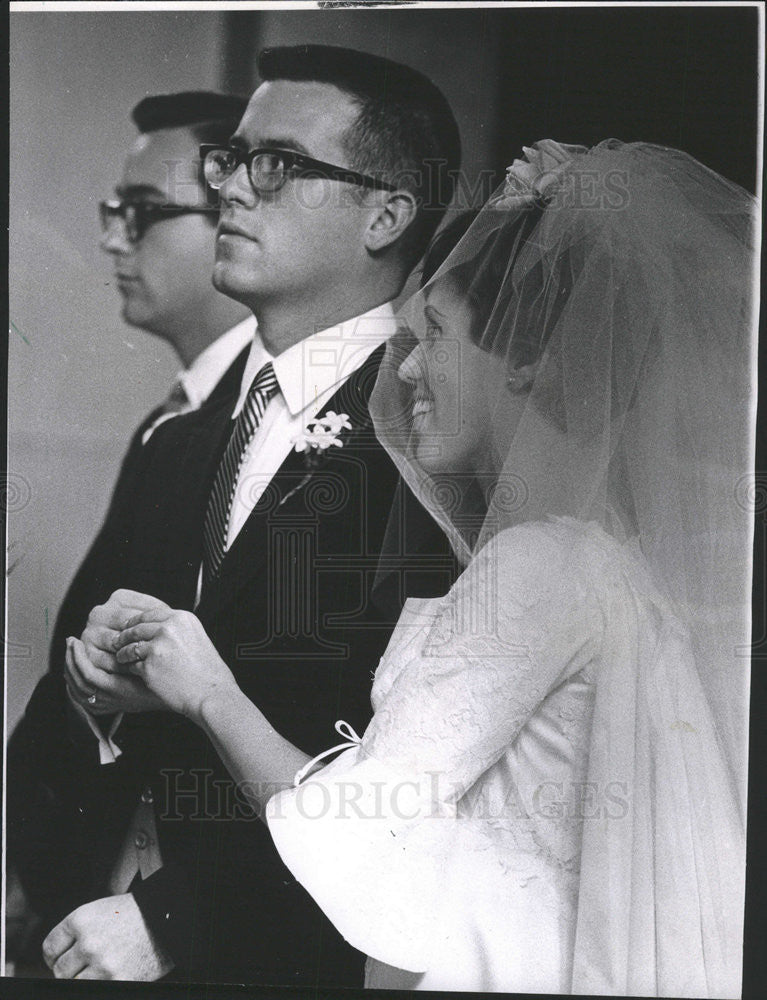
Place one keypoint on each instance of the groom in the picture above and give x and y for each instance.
(275, 549)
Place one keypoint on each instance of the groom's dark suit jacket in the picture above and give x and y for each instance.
(293, 613)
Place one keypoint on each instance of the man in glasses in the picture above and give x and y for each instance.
(331, 187)
(159, 231)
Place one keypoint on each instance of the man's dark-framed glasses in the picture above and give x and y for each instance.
(269, 168)
(138, 216)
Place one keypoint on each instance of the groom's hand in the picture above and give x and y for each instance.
(105, 939)
(100, 692)
(92, 668)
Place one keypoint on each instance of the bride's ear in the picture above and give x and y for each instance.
(395, 211)
(521, 377)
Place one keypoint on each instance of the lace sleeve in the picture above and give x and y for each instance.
(521, 619)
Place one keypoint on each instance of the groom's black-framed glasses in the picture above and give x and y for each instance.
(269, 168)
(137, 216)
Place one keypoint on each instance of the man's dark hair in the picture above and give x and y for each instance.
(209, 116)
(405, 132)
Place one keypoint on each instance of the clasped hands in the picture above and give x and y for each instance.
(137, 654)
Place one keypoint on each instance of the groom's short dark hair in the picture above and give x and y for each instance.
(405, 132)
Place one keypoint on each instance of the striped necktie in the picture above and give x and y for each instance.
(217, 515)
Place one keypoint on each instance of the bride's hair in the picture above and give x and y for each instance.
(443, 244)
(486, 281)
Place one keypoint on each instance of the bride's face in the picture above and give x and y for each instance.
(456, 387)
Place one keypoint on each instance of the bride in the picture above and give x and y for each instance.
(550, 796)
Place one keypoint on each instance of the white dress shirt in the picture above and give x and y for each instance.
(308, 374)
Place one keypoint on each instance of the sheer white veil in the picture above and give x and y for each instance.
(612, 288)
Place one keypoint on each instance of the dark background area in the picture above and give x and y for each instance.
(679, 76)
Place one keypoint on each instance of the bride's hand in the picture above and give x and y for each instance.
(171, 652)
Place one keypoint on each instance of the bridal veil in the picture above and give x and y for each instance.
(614, 287)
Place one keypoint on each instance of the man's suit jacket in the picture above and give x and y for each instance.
(50, 754)
(292, 613)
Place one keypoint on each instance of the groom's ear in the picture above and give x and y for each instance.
(393, 212)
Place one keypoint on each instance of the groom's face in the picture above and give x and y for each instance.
(307, 236)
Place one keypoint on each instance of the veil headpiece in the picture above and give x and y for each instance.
(612, 289)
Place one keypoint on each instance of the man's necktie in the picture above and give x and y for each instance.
(222, 495)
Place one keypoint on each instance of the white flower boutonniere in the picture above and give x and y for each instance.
(321, 434)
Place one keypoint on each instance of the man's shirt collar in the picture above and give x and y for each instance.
(322, 361)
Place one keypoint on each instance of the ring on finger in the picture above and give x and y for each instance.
(137, 647)
(92, 699)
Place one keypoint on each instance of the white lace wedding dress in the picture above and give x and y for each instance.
(524, 812)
